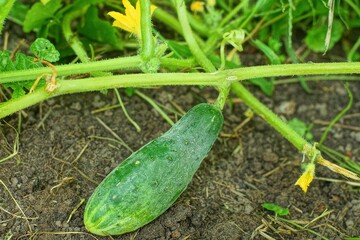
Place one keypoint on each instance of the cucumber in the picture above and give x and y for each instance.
(148, 182)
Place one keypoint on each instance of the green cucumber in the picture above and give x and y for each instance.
(148, 182)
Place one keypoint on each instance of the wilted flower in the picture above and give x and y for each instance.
(307, 177)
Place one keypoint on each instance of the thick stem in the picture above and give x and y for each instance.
(233, 75)
(147, 39)
(269, 116)
(109, 82)
(79, 68)
(71, 38)
(198, 54)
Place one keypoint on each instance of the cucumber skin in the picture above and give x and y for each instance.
(149, 181)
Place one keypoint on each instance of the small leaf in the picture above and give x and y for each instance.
(276, 209)
(43, 49)
(98, 29)
(180, 51)
(267, 86)
(315, 38)
(270, 54)
(129, 91)
(20, 62)
(301, 128)
(40, 14)
(18, 13)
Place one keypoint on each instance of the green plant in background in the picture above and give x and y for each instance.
(264, 25)
(279, 211)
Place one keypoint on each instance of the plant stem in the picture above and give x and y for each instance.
(147, 39)
(72, 69)
(269, 116)
(172, 22)
(137, 127)
(339, 115)
(232, 13)
(244, 73)
(108, 82)
(155, 106)
(71, 38)
(223, 94)
(198, 54)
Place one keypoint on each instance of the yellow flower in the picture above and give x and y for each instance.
(197, 6)
(307, 177)
(131, 20)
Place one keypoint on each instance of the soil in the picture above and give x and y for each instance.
(65, 150)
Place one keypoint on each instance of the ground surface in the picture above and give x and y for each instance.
(64, 150)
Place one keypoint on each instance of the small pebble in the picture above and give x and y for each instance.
(175, 234)
(76, 106)
(287, 107)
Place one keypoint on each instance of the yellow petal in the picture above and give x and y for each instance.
(307, 177)
(130, 21)
(130, 11)
(121, 21)
(152, 8)
(116, 15)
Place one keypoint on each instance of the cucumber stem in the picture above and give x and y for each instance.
(269, 116)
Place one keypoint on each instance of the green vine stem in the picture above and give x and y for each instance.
(108, 82)
(244, 73)
(169, 20)
(269, 116)
(196, 51)
(155, 79)
(71, 38)
(338, 116)
(224, 90)
(147, 39)
(123, 63)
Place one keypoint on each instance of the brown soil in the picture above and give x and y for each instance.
(64, 152)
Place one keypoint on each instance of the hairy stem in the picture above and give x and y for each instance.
(70, 36)
(198, 54)
(147, 39)
(269, 116)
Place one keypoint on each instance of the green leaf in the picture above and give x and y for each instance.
(180, 50)
(19, 62)
(40, 14)
(99, 30)
(315, 39)
(269, 53)
(276, 209)
(5, 6)
(18, 13)
(43, 49)
(79, 4)
(301, 128)
(129, 91)
(267, 86)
